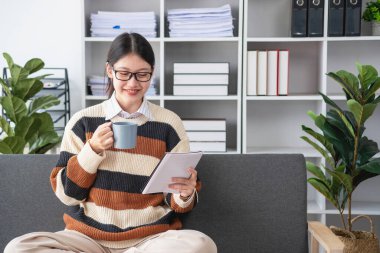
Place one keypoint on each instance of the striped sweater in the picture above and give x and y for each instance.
(104, 190)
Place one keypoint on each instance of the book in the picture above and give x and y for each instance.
(204, 124)
(262, 72)
(208, 146)
(206, 135)
(336, 18)
(200, 90)
(172, 165)
(272, 72)
(283, 72)
(201, 68)
(315, 18)
(180, 79)
(252, 73)
(299, 18)
(352, 18)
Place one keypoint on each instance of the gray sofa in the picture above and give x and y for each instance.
(248, 203)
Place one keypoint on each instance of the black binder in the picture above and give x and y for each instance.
(299, 18)
(336, 18)
(352, 22)
(315, 19)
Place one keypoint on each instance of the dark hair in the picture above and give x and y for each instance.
(124, 44)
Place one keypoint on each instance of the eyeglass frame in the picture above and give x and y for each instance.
(134, 74)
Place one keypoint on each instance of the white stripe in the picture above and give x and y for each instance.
(60, 192)
(142, 165)
(124, 218)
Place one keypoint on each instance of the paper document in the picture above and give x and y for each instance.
(172, 165)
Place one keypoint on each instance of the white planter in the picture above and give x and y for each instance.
(376, 28)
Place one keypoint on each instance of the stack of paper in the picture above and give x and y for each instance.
(201, 22)
(111, 24)
(97, 85)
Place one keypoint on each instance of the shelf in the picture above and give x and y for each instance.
(360, 207)
(356, 38)
(232, 97)
(284, 39)
(202, 39)
(306, 151)
(110, 39)
(313, 207)
(285, 98)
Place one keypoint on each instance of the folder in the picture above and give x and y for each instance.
(299, 18)
(336, 18)
(353, 18)
(315, 18)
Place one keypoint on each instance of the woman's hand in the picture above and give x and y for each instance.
(102, 138)
(185, 186)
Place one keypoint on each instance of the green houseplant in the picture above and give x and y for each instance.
(348, 153)
(25, 127)
(372, 14)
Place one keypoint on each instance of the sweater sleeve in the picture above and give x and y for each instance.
(173, 200)
(76, 168)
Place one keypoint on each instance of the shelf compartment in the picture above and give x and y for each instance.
(305, 64)
(226, 109)
(278, 124)
(202, 52)
(344, 54)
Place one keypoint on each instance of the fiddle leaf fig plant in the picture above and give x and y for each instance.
(25, 125)
(348, 153)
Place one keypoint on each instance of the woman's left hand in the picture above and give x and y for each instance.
(185, 186)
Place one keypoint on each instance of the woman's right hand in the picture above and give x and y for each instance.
(102, 138)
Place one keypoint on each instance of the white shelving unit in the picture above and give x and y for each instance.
(169, 50)
(272, 124)
(255, 124)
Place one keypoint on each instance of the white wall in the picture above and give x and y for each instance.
(46, 29)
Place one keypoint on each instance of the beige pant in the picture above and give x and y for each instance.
(178, 241)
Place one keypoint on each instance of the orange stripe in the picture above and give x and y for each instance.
(53, 177)
(144, 146)
(97, 234)
(78, 175)
(123, 200)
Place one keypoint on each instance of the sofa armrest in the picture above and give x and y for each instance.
(322, 235)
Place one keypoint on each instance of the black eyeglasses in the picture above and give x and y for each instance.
(123, 75)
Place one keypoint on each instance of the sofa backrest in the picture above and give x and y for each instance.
(248, 203)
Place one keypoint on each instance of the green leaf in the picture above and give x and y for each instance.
(343, 83)
(45, 122)
(320, 186)
(339, 120)
(15, 143)
(377, 100)
(4, 125)
(367, 75)
(330, 102)
(316, 171)
(5, 88)
(15, 74)
(22, 88)
(43, 102)
(22, 128)
(43, 140)
(320, 150)
(345, 179)
(37, 87)
(312, 115)
(366, 150)
(4, 148)
(7, 105)
(9, 60)
(372, 89)
(33, 65)
(321, 139)
(361, 113)
(373, 166)
(362, 176)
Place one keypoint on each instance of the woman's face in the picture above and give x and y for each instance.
(130, 88)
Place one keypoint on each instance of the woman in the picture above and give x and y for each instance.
(103, 184)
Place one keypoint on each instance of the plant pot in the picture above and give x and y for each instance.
(376, 28)
(358, 241)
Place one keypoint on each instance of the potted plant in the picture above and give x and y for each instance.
(25, 126)
(372, 14)
(348, 153)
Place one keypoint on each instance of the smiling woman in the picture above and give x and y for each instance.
(104, 183)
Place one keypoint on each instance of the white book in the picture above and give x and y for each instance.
(200, 90)
(194, 79)
(172, 165)
(252, 73)
(272, 72)
(206, 136)
(204, 124)
(201, 68)
(283, 72)
(262, 61)
(208, 146)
